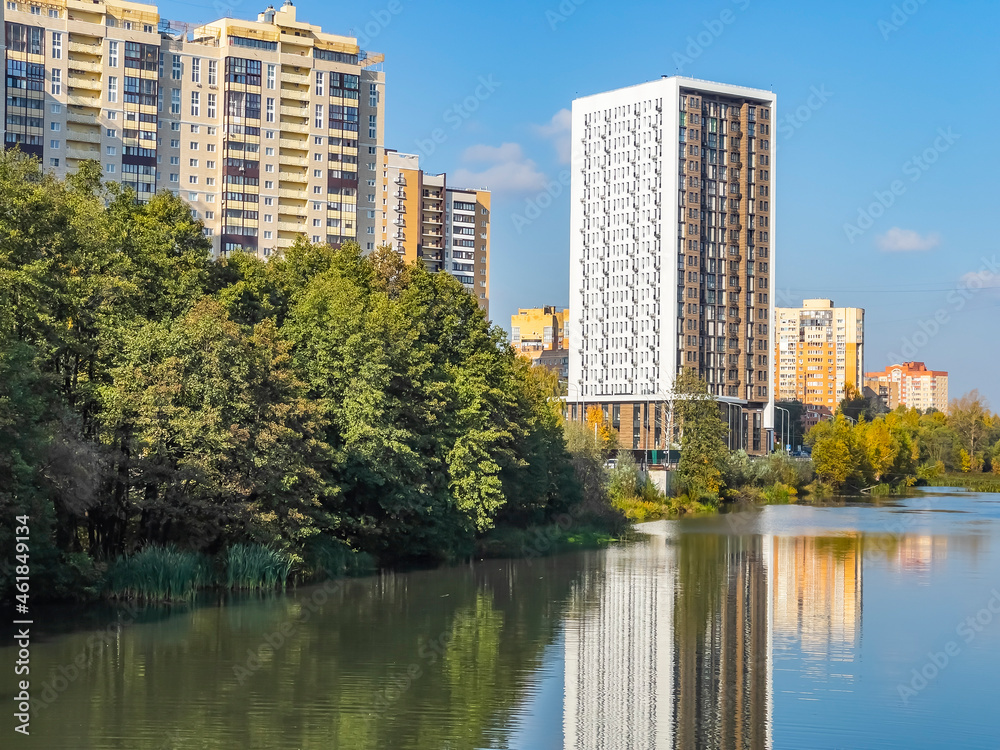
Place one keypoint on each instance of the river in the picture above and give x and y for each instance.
(851, 625)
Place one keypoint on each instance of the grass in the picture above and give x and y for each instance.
(332, 558)
(976, 482)
(254, 567)
(158, 574)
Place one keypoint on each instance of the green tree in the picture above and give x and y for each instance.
(703, 436)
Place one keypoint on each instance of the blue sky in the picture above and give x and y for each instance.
(875, 99)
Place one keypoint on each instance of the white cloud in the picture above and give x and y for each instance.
(898, 240)
(984, 279)
(558, 131)
(504, 168)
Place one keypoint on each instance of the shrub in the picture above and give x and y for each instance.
(158, 574)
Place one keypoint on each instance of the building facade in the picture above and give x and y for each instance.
(672, 251)
(269, 129)
(539, 329)
(819, 352)
(418, 214)
(912, 385)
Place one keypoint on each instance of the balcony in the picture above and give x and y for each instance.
(294, 111)
(400, 180)
(297, 161)
(291, 193)
(84, 136)
(87, 65)
(83, 82)
(297, 79)
(83, 100)
(291, 127)
(86, 49)
(84, 118)
(80, 153)
(293, 176)
(290, 226)
(294, 143)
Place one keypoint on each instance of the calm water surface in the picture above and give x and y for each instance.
(859, 626)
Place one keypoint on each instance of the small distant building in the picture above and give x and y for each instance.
(539, 329)
(910, 384)
(556, 360)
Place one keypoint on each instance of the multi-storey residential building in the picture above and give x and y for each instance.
(672, 252)
(537, 329)
(819, 352)
(418, 214)
(267, 128)
(912, 385)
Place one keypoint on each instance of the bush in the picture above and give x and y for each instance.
(254, 566)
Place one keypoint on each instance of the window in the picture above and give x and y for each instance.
(192, 162)
(316, 223)
(175, 143)
(317, 157)
(175, 126)
(56, 109)
(372, 126)
(55, 126)
(56, 45)
(176, 68)
(193, 179)
(269, 201)
(269, 115)
(210, 146)
(112, 88)
(195, 70)
(174, 177)
(109, 168)
(269, 134)
(269, 151)
(211, 105)
(160, 66)
(316, 238)
(193, 145)
(53, 144)
(209, 215)
(192, 196)
(56, 76)
(268, 218)
(111, 133)
(195, 103)
(175, 161)
(196, 128)
(373, 95)
(270, 76)
(175, 101)
(319, 83)
(269, 184)
(267, 234)
(268, 167)
(210, 165)
(319, 116)
(317, 173)
(112, 150)
(213, 72)
(53, 162)
(36, 10)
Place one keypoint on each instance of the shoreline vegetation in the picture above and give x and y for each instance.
(170, 423)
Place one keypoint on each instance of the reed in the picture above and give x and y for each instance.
(158, 574)
(253, 567)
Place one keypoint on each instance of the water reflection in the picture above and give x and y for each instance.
(788, 628)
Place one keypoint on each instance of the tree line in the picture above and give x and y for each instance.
(152, 396)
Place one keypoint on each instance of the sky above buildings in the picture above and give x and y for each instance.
(885, 135)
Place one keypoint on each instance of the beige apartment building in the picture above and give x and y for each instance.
(447, 228)
(269, 128)
(912, 385)
(819, 352)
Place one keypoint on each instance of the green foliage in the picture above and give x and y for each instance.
(158, 574)
(150, 397)
(253, 567)
(703, 437)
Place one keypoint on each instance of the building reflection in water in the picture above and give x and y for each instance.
(672, 644)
